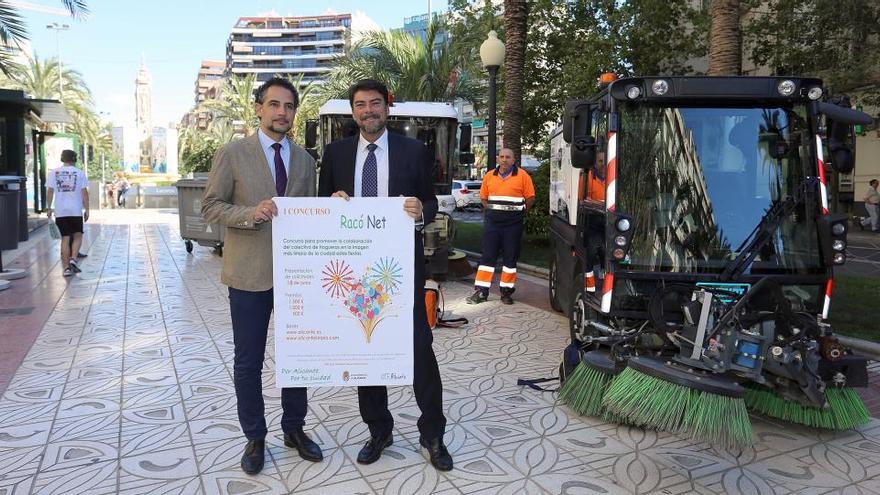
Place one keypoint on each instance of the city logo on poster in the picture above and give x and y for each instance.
(367, 299)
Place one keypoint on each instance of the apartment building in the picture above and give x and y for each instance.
(209, 80)
(300, 46)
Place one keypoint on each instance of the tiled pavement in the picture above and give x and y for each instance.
(127, 389)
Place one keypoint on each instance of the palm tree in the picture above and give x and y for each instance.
(725, 40)
(235, 104)
(413, 68)
(39, 79)
(516, 15)
(14, 32)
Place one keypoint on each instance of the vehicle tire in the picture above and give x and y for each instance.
(553, 285)
(219, 251)
(580, 311)
(576, 307)
(189, 246)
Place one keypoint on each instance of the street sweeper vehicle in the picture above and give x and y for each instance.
(693, 249)
(433, 123)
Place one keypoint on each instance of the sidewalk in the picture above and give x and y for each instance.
(128, 389)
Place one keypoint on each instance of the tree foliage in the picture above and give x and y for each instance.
(13, 29)
(413, 68)
(571, 42)
(39, 79)
(837, 40)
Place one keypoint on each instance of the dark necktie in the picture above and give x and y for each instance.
(280, 172)
(370, 176)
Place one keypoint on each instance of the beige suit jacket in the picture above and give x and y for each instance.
(239, 180)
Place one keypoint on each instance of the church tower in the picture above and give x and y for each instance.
(143, 104)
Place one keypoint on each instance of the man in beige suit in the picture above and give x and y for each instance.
(245, 176)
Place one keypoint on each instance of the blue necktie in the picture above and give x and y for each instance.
(280, 172)
(370, 175)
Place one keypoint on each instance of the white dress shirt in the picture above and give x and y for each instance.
(381, 153)
(266, 142)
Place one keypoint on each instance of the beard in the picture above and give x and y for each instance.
(372, 126)
(276, 126)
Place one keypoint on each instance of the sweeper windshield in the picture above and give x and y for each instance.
(698, 180)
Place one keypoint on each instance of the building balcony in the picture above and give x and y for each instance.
(257, 31)
(282, 70)
(260, 56)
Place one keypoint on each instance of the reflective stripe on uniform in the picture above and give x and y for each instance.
(508, 277)
(484, 276)
(506, 207)
(509, 199)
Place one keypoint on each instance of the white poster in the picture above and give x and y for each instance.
(343, 279)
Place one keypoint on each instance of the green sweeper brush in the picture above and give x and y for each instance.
(653, 394)
(845, 408)
(584, 390)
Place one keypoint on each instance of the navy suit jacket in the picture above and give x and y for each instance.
(409, 166)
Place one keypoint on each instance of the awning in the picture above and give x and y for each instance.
(46, 110)
(51, 111)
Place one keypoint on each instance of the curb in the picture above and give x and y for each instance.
(535, 271)
(870, 350)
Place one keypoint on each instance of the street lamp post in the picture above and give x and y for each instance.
(492, 56)
(58, 28)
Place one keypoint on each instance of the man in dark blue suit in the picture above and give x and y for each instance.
(378, 163)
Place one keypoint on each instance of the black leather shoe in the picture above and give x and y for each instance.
(477, 297)
(307, 449)
(440, 457)
(253, 457)
(373, 449)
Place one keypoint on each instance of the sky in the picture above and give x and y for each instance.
(173, 37)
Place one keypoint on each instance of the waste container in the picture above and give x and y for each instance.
(8, 219)
(19, 185)
(193, 227)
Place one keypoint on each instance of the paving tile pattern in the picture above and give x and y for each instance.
(128, 389)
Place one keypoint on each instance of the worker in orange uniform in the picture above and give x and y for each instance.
(507, 193)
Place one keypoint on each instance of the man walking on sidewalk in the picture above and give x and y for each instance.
(68, 187)
(507, 193)
(872, 205)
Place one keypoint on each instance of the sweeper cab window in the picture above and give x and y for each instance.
(698, 180)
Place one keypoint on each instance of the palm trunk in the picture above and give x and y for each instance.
(725, 41)
(516, 14)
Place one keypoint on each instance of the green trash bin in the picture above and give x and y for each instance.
(193, 228)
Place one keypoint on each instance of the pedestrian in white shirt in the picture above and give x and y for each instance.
(872, 205)
(68, 187)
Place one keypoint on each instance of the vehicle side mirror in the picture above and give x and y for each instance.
(311, 134)
(464, 139)
(575, 119)
(841, 141)
(583, 152)
(840, 119)
(466, 158)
